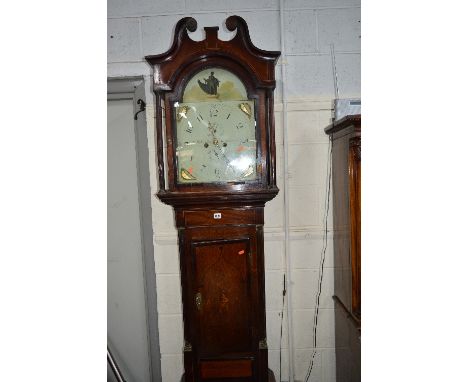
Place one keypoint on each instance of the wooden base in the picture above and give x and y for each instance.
(271, 378)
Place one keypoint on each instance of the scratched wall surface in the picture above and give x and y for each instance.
(138, 28)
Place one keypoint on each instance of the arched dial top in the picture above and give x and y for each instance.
(215, 130)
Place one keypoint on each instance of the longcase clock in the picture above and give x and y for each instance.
(216, 166)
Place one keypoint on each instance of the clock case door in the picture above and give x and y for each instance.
(253, 94)
(223, 295)
(215, 135)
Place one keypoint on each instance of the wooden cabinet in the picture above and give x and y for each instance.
(223, 293)
(216, 167)
(346, 173)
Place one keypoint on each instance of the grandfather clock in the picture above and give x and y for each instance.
(216, 166)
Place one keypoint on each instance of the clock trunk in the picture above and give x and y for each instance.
(223, 293)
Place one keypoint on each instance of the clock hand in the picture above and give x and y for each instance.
(211, 129)
(216, 145)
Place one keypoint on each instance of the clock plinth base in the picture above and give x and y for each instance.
(271, 378)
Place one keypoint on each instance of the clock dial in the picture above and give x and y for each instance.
(215, 130)
(216, 141)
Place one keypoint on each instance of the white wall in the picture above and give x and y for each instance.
(138, 28)
(126, 310)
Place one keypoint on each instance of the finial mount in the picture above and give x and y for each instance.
(234, 22)
(191, 24)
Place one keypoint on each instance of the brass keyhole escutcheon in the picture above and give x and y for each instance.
(198, 300)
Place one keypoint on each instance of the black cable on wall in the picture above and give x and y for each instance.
(322, 262)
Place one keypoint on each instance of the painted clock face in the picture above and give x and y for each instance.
(215, 130)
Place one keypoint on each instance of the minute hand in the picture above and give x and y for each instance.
(216, 143)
